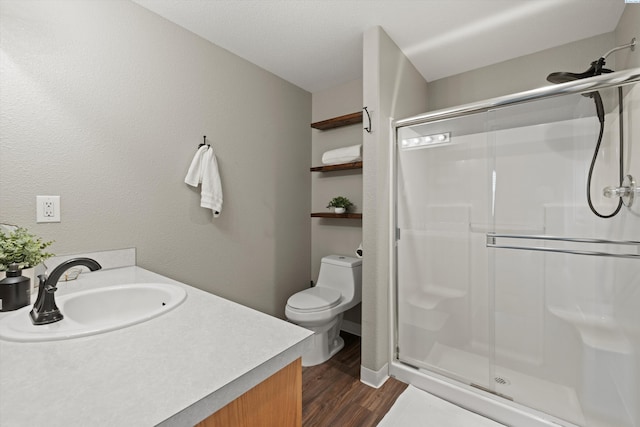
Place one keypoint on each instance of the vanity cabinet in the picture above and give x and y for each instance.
(275, 402)
(336, 122)
(254, 379)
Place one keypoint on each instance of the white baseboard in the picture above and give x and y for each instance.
(352, 327)
(374, 379)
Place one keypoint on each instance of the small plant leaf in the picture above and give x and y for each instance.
(22, 248)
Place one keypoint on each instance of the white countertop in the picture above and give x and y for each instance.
(174, 370)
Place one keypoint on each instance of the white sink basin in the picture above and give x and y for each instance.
(96, 311)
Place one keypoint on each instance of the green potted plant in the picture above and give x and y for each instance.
(25, 249)
(340, 204)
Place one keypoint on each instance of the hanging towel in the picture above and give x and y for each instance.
(194, 174)
(204, 169)
(352, 153)
(211, 191)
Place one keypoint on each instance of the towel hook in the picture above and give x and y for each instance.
(368, 128)
(204, 142)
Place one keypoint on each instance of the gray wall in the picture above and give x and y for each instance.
(518, 74)
(530, 71)
(336, 236)
(104, 103)
(393, 88)
(628, 28)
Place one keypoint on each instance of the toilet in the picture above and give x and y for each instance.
(320, 308)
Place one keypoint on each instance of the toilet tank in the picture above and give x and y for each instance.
(342, 273)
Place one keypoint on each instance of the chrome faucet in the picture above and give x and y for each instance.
(45, 309)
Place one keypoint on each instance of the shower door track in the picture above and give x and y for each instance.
(491, 243)
(591, 84)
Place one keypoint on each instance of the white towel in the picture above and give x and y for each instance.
(204, 169)
(194, 174)
(211, 191)
(352, 153)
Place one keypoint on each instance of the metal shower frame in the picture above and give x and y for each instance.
(510, 413)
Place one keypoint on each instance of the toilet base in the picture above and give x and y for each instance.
(324, 344)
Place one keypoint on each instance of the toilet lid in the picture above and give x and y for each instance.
(314, 299)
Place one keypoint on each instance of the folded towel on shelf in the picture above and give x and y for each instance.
(211, 191)
(204, 170)
(352, 153)
(194, 174)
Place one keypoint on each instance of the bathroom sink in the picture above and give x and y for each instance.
(96, 311)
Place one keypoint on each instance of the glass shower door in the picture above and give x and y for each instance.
(443, 212)
(565, 279)
(506, 281)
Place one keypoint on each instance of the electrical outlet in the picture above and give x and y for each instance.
(47, 208)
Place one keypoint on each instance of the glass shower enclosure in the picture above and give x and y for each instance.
(507, 287)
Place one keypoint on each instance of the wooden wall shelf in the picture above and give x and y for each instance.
(339, 167)
(335, 215)
(336, 122)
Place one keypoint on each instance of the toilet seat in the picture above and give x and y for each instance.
(314, 299)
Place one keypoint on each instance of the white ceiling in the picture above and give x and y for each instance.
(317, 44)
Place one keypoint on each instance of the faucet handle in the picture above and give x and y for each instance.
(615, 191)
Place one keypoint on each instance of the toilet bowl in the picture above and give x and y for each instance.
(320, 308)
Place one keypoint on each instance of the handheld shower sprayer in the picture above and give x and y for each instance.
(595, 69)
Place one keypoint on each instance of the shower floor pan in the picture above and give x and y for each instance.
(555, 399)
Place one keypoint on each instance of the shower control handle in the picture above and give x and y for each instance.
(626, 191)
(616, 191)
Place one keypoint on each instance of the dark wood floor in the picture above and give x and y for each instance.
(333, 396)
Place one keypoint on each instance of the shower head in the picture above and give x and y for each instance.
(595, 69)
